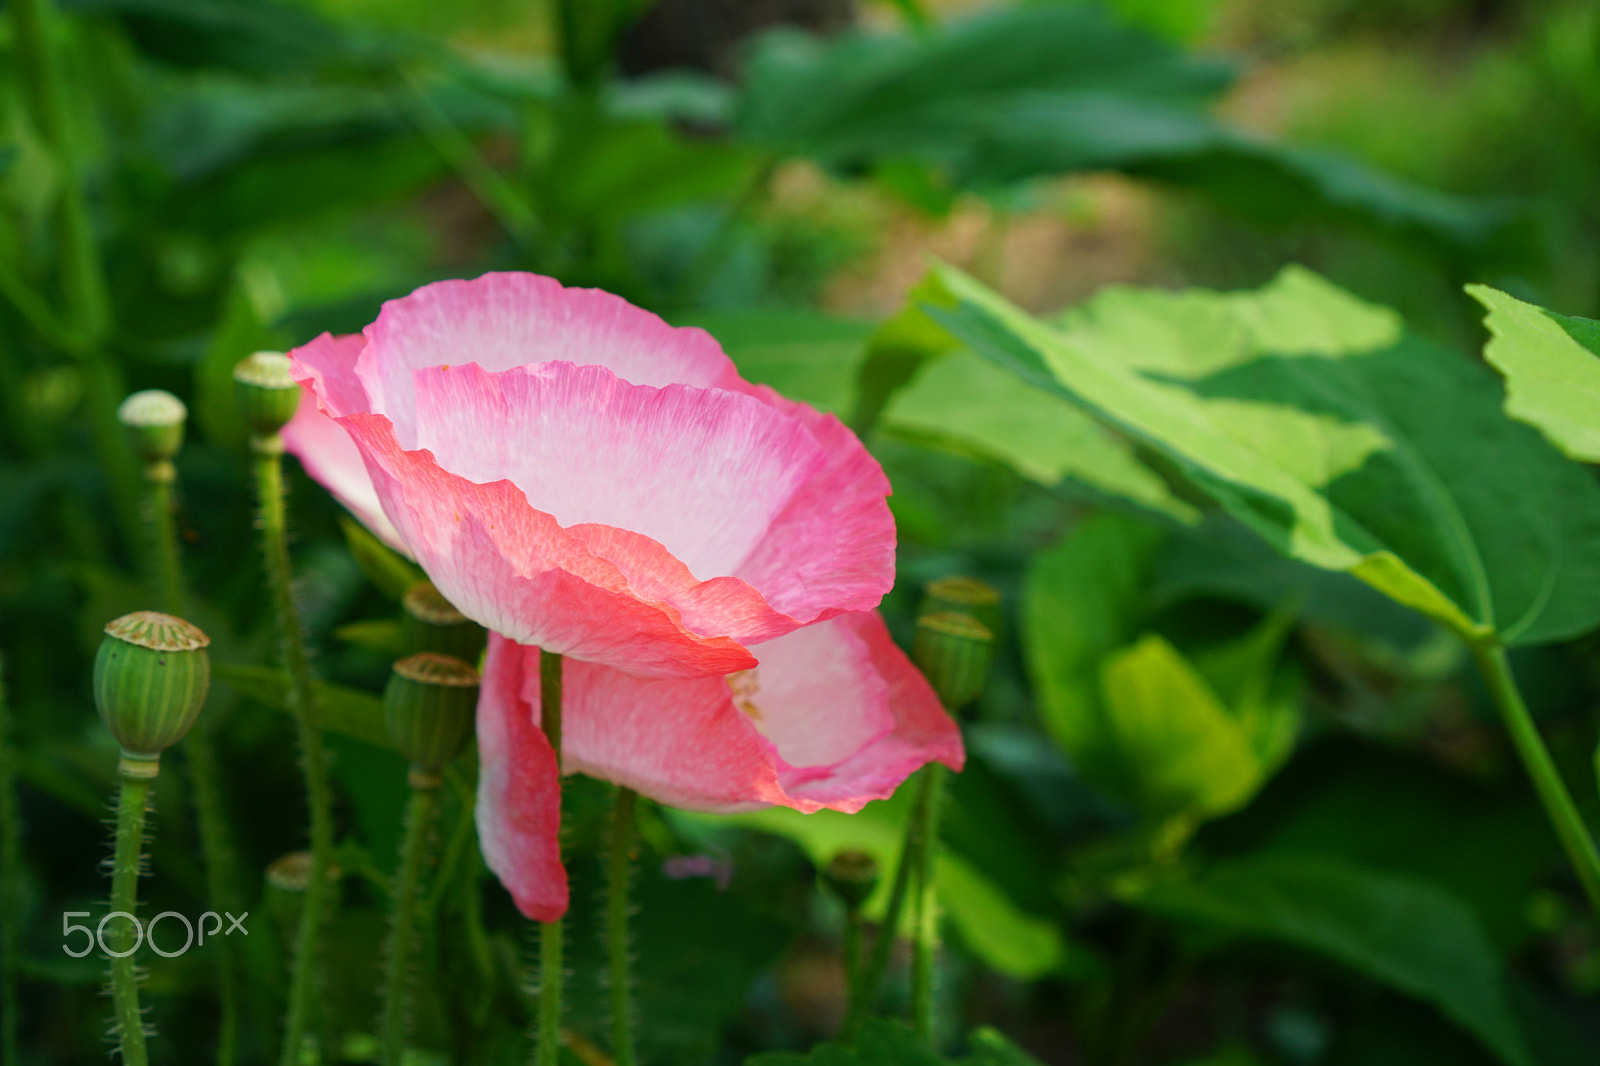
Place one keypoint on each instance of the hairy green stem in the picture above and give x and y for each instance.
(132, 799)
(852, 952)
(1558, 805)
(547, 1050)
(407, 887)
(10, 877)
(926, 925)
(158, 478)
(617, 875)
(865, 996)
(304, 977)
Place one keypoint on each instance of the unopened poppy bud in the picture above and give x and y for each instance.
(268, 394)
(954, 651)
(852, 876)
(154, 419)
(964, 595)
(433, 624)
(150, 679)
(428, 707)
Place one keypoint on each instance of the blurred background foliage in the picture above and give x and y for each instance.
(1221, 808)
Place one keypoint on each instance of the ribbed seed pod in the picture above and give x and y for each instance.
(433, 624)
(852, 876)
(154, 419)
(150, 679)
(428, 706)
(954, 651)
(267, 393)
(964, 595)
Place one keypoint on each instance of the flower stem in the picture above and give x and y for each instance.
(926, 925)
(413, 849)
(547, 1051)
(304, 977)
(10, 878)
(132, 799)
(1558, 805)
(865, 995)
(619, 870)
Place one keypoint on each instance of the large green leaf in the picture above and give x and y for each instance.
(1042, 89)
(965, 400)
(1347, 444)
(1403, 932)
(1552, 367)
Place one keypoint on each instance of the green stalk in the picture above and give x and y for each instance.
(158, 478)
(852, 952)
(305, 975)
(1558, 805)
(547, 1051)
(132, 799)
(619, 869)
(926, 925)
(865, 996)
(10, 897)
(408, 882)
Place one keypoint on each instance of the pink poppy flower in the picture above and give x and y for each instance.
(834, 716)
(575, 474)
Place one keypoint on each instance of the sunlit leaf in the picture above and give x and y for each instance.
(1551, 364)
(1392, 463)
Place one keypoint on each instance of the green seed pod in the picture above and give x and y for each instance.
(964, 595)
(150, 679)
(428, 707)
(852, 876)
(267, 393)
(954, 651)
(433, 624)
(154, 419)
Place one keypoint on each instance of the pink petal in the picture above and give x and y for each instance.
(702, 472)
(506, 320)
(519, 789)
(332, 459)
(517, 572)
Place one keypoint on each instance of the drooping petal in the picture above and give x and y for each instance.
(922, 732)
(505, 320)
(834, 716)
(333, 460)
(519, 790)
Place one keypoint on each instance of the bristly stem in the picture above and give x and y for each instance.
(305, 974)
(865, 995)
(200, 751)
(547, 1051)
(1558, 805)
(10, 877)
(618, 873)
(132, 798)
(407, 888)
(926, 923)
